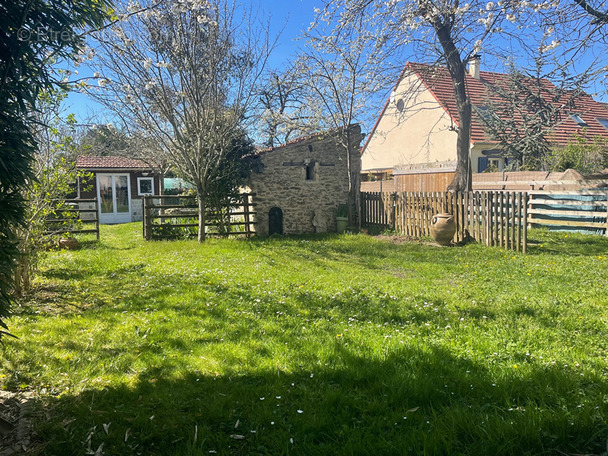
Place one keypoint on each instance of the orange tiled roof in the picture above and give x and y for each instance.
(437, 80)
(111, 162)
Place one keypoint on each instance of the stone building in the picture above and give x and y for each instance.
(300, 185)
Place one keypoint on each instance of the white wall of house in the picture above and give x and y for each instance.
(413, 129)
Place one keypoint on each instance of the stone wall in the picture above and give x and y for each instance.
(307, 180)
(137, 209)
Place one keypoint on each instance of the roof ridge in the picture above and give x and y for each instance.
(110, 161)
(302, 138)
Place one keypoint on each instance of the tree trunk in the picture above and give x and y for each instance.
(22, 276)
(456, 67)
(354, 178)
(462, 181)
(201, 215)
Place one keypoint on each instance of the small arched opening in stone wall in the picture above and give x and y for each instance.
(275, 221)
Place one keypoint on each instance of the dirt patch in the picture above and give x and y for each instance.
(51, 299)
(398, 239)
(16, 434)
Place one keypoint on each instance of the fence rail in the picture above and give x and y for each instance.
(492, 218)
(569, 210)
(170, 217)
(74, 216)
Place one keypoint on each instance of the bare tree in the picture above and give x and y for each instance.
(599, 17)
(337, 77)
(184, 73)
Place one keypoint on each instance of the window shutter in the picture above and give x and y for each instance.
(482, 164)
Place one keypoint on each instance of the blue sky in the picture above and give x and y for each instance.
(291, 16)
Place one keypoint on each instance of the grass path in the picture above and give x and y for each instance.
(332, 345)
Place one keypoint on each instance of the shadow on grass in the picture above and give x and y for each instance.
(360, 251)
(414, 401)
(372, 250)
(564, 243)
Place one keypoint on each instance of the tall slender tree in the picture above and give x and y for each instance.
(338, 76)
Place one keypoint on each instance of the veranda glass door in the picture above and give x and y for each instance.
(114, 193)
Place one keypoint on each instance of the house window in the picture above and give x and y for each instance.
(494, 163)
(578, 120)
(145, 186)
(310, 171)
(604, 123)
(488, 164)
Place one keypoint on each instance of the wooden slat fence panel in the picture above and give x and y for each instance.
(583, 210)
(495, 218)
(170, 217)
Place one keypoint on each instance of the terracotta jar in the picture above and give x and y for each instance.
(443, 228)
(67, 243)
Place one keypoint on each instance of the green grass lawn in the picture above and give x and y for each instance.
(332, 345)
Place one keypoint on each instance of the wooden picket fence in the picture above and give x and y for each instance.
(492, 218)
(171, 217)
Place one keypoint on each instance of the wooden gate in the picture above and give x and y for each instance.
(171, 217)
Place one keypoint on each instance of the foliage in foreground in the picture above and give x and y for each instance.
(35, 34)
(326, 345)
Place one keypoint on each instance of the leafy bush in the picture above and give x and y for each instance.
(342, 210)
(584, 155)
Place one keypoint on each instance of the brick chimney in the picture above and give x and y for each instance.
(474, 64)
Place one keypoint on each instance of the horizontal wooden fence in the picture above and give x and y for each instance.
(492, 218)
(74, 216)
(584, 210)
(171, 217)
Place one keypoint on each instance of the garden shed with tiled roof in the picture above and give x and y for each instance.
(119, 183)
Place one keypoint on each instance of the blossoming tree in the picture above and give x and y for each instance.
(449, 33)
(185, 74)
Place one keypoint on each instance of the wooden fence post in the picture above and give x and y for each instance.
(96, 204)
(245, 202)
(393, 201)
(525, 227)
(519, 211)
(147, 218)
